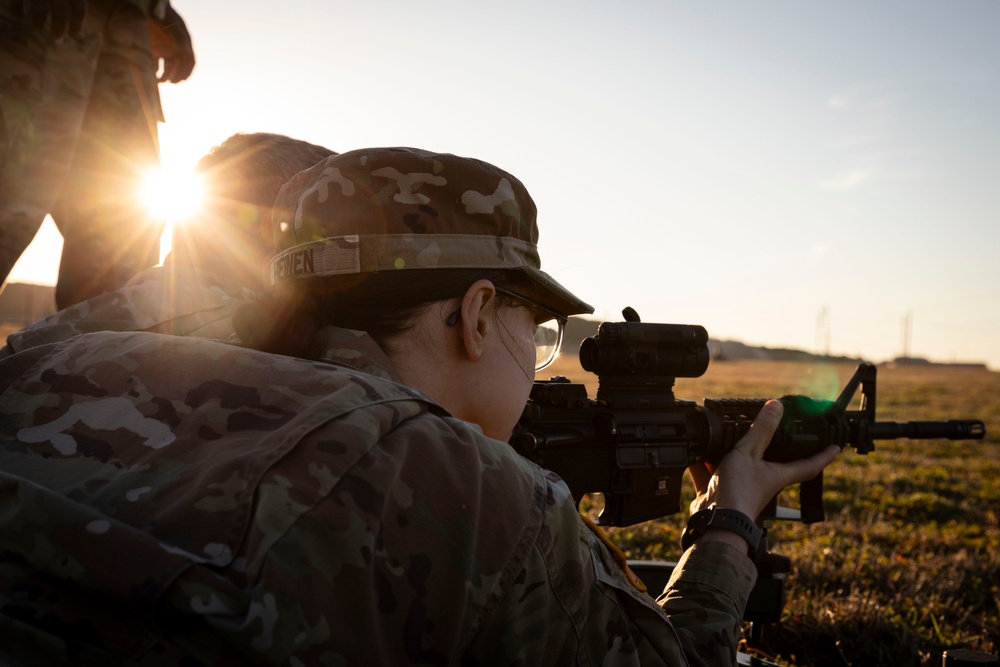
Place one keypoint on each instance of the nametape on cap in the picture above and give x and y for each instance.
(364, 253)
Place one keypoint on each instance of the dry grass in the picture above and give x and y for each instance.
(907, 563)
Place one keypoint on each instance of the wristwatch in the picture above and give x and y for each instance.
(724, 519)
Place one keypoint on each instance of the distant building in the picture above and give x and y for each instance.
(910, 361)
(920, 362)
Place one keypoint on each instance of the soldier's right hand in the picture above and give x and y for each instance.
(171, 44)
(65, 16)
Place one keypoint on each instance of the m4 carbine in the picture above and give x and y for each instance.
(634, 441)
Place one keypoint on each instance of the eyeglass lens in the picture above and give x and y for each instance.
(548, 336)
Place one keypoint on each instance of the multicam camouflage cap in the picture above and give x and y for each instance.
(391, 209)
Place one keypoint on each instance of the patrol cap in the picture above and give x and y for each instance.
(400, 209)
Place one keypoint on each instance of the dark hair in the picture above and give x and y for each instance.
(252, 167)
(285, 317)
(242, 177)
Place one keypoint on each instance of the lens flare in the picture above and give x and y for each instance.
(171, 195)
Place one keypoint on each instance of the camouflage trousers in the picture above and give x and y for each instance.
(77, 131)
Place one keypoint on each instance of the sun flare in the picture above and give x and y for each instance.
(171, 195)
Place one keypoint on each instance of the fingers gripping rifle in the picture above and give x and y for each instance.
(634, 441)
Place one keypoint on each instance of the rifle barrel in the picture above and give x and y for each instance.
(952, 429)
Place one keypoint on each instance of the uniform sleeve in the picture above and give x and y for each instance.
(573, 604)
(705, 599)
(171, 300)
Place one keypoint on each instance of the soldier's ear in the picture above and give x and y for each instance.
(476, 320)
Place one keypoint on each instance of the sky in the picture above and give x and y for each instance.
(822, 176)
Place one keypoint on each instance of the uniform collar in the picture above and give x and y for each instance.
(354, 349)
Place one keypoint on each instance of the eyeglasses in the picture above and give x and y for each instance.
(549, 328)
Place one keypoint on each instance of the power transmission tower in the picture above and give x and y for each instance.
(907, 326)
(823, 332)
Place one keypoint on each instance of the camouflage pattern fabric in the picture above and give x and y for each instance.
(176, 300)
(404, 209)
(177, 501)
(77, 129)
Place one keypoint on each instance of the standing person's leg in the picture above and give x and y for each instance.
(109, 237)
(44, 87)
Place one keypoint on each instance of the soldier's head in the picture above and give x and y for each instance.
(241, 178)
(375, 238)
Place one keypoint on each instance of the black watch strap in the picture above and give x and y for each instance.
(724, 519)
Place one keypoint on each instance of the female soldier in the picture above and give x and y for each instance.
(421, 269)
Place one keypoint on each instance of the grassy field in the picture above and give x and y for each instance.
(907, 563)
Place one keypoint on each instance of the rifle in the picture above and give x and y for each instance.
(635, 440)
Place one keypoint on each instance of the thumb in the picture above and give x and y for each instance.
(764, 426)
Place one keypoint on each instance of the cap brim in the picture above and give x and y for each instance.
(554, 296)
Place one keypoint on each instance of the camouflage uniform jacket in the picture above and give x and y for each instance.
(177, 300)
(175, 500)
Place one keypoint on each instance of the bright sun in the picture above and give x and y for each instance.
(171, 194)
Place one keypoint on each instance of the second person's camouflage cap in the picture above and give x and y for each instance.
(391, 209)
